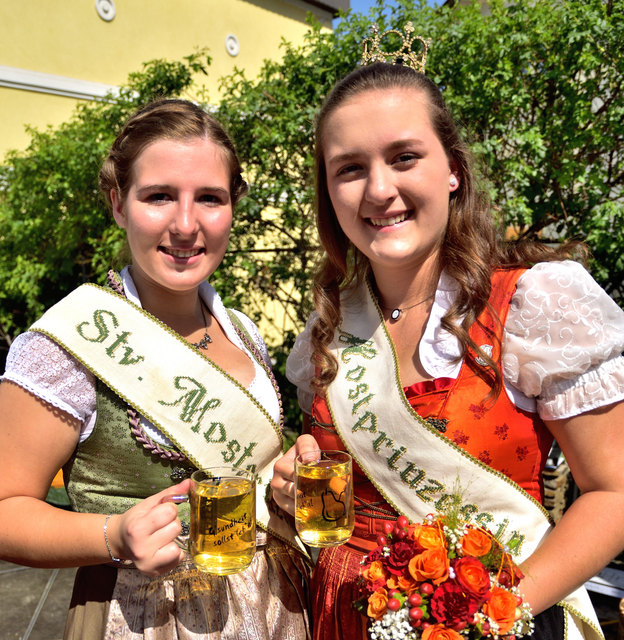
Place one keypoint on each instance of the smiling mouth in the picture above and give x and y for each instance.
(388, 222)
(181, 253)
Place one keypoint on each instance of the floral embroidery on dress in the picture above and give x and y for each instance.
(478, 410)
(459, 437)
(522, 452)
(485, 457)
(502, 431)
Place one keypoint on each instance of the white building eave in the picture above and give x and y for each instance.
(27, 80)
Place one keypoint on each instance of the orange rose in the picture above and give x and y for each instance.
(428, 536)
(404, 583)
(501, 607)
(440, 632)
(375, 571)
(377, 604)
(431, 564)
(476, 543)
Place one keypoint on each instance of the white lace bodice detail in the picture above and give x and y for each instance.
(562, 343)
(39, 365)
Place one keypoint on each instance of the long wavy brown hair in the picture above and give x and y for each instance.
(472, 248)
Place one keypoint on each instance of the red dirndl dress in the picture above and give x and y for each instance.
(508, 439)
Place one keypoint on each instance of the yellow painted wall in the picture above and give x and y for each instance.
(68, 38)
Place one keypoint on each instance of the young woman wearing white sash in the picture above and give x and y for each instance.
(438, 353)
(159, 343)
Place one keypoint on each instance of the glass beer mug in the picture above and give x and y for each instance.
(222, 538)
(324, 515)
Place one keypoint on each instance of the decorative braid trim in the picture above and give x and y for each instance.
(134, 418)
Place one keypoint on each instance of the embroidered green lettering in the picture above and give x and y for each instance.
(468, 510)
(357, 347)
(122, 338)
(126, 358)
(502, 527)
(254, 468)
(103, 332)
(484, 519)
(407, 472)
(444, 502)
(246, 454)
(433, 487)
(380, 440)
(395, 456)
(192, 409)
(361, 423)
(100, 324)
(233, 447)
(210, 431)
(360, 388)
(359, 403)
(355, 375)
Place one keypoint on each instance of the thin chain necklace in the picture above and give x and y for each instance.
(206, 340)
(397, 311)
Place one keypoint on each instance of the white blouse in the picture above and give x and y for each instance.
(562, 343)
(42, 367)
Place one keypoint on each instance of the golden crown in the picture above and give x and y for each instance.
(372, 52)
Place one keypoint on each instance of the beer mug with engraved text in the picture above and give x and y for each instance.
(222, 538)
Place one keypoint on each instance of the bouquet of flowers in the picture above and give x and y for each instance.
(444, 579)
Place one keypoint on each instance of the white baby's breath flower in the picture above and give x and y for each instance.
(394, 625)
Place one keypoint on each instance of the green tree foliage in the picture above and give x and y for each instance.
(537, 86)
(56, 231)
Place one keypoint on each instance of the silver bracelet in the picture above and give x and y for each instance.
(110, 553)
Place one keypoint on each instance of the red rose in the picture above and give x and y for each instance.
(400, 554)
(510, 575)
(375, 554)
(472, 577)
(450, 605)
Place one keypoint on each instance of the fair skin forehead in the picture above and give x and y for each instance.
(410, 105)
(147, 164)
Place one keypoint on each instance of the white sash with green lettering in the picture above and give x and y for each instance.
(209, 416)
(412, 465)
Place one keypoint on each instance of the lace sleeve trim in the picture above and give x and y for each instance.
(42, 394)
(42, 367)
(599, 387)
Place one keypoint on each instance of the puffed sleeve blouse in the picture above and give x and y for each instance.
(562, 344)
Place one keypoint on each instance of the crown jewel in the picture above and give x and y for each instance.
(372, 52)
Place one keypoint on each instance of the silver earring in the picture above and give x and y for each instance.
(453, 181)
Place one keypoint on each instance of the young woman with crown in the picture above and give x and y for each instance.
(131, 387)
(441, 357)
